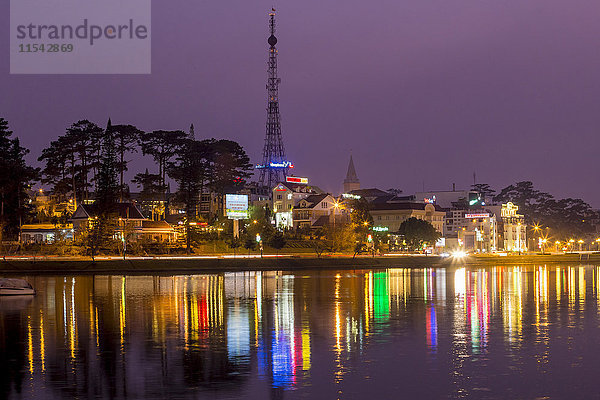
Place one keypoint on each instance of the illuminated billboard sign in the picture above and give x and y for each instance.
(236, 206)
(381, 228)
(296, 179)
(479, 215)
(282, 164)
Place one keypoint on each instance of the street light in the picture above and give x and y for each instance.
(260, 244)
(544, 245)
(336, 206)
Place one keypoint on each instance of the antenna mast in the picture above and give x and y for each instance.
(274, 165)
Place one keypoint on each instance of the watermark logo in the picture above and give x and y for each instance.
(80, 36)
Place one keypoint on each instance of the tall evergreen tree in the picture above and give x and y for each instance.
(84, 137)
(151, 190)
(71, 159)
(15, 178)
(126, 138)
(149, 184)
(162, 146)
(189, 170)
(107, 185)
(230, 167)
(56, 171)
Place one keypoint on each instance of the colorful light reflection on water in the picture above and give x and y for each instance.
(499, 332)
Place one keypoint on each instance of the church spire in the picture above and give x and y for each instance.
(351, 182)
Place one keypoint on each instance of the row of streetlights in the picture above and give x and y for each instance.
(571, 242)
(543, 240)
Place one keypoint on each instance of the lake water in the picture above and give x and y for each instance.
(503, 332)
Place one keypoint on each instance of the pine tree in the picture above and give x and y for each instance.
(151, 190)
(125, 138)
(108, 186)
(162, 146)
(70, 159)
(15, 178)
(190, 170)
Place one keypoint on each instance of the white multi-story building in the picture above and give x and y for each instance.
(285, 197)
(474, 230)
(512, 229)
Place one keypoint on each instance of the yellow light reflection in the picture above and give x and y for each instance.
(338, 322)
(558, 284)
(513, 304)
(30, 346)
(42, 341)
(305, 333)
(581, 273)
(338, 333)
(72, 323)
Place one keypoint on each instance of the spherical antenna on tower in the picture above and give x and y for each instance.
(272, 40)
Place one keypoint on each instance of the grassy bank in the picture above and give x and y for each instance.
(190, 265)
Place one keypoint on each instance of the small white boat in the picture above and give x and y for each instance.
(15, 287)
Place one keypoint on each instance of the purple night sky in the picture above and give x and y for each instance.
(423, 93)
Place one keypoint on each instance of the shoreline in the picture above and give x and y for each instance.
(211, 264)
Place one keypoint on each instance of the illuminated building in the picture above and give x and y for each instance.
(49, 205)
(45, 233)
(128, 212)
(153, 206)
(131, 222)
(286, 196)
(258, 196)
(392, 214)
(512, 230)
(472, 230)
(316, 210)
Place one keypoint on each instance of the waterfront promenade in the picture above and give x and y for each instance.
(244, 262)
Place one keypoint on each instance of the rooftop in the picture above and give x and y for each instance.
(402, 206)
(122, 210)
